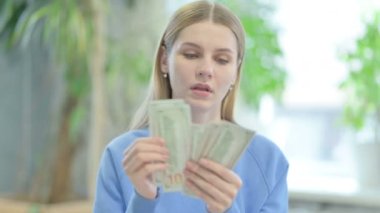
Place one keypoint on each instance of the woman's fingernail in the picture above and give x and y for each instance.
(190, 165)
(186, 172)
(203, 161)
(161, 140)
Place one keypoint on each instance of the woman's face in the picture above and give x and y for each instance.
(202, 65)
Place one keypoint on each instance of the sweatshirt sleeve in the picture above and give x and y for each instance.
(141, 204)
(233, 209)
(109, 193)
(108, 197)
(277, 201)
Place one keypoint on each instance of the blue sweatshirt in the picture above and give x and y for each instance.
(262, 168)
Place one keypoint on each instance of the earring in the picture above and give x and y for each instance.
(165, 75)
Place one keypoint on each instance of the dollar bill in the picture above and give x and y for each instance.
(197, 138)
(170, 119)
(231, 142)
(209, 137)
(222, 142)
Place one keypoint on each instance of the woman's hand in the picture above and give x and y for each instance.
(145, 157)
(213, 183)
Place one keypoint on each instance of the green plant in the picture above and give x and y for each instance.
(93, 61)
(362, 85)
(73, 31)
(263, 73)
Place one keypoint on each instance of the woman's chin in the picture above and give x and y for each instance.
(199, 105)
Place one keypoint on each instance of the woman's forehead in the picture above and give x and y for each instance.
(207, 34)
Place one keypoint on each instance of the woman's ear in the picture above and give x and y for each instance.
(164, 60)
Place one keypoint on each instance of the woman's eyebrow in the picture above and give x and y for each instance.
(224, 50)
(191, 44)
(199, 47)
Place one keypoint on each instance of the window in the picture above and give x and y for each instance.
(306, 126)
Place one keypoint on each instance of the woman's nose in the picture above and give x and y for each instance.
(205, 70)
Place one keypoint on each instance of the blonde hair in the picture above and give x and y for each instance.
(185, 16)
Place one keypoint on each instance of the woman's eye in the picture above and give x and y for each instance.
(222, 61)
(190, 55)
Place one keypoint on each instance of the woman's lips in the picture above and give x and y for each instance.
(202, 87)
(201, 90)
(201, 93)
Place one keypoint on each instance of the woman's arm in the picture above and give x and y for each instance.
(108, 197)
(277, 201)
(137, 164)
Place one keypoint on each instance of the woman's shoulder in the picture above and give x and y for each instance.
(264, 148)
(268, 157)
(124, 140)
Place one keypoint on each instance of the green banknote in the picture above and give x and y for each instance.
(171, 120)
(222, 142)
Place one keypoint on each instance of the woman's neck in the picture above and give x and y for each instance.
(202, 117)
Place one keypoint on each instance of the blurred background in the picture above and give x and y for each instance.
(72, 73)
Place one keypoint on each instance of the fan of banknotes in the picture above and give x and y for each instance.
(221, 142)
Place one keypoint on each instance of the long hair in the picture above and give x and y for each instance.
(185, 16)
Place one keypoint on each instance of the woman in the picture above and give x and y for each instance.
(198, 60)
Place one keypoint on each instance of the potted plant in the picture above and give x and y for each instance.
(362, 107)
(84, 52)
(264, 74)
(72, 30)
